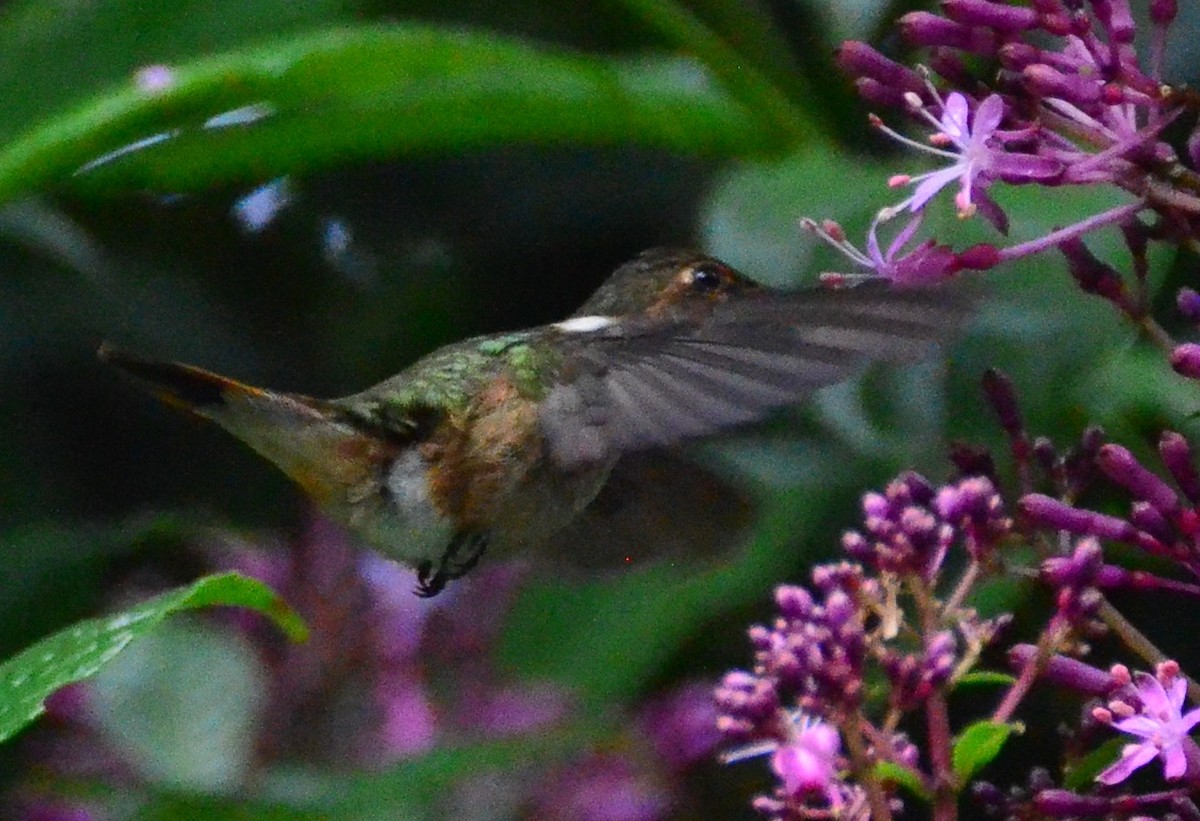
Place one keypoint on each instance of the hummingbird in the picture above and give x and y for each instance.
(500, 441)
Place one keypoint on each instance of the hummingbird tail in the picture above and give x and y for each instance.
(307, 438)
(176, 384)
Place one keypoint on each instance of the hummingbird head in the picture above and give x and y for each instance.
(665, 280)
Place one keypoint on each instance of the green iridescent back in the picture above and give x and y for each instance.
(447, 379)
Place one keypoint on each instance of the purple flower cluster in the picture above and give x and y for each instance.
(902, 533)
(1162, 520)
(806, 695)
(871, 647)
(1051, 93)
(1144, 706)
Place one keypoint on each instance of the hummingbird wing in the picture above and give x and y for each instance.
(629, 385)
(655, 505)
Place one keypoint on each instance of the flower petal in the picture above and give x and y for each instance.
(800, 770)
(1139, 725)
(987, 117)
(903, 236)
(990, 210)
(1174, 761)
(930, 184)
(1176, 694)
(954, 118)
(1154, 697)
(1017, 167)
(1132, 757)
(1188, 721)
(823, 740)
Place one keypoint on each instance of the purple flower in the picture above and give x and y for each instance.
(1045, 511)
(900, 531)
(1079, 104)
(971, 138)
(975, 508)
(385, 676)
(808, 761)
(1121, 466)
(496, 710)
(1065, 671)
(1187, 302)
(1185, 359)
(915, 676)
(408, 724)
(926, 263)
(974, 146)
(1162, 727)
(1162, 520)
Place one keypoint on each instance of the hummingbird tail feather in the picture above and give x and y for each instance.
(304, 437)
(176, 384)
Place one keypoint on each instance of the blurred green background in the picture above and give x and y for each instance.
(309, 194)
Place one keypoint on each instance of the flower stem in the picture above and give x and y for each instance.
(864, 773)
(1104, 218)
(937, 714)
(1138, 642)
(1047, 644)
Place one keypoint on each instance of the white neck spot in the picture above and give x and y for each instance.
(584, 324)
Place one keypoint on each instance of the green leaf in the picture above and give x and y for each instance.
(108, 40)
(985, 678)
(978, 745)
(1081, 773)
(79, 652)
(369, 93)
(907, 778)
(740, 71)
(747, 25)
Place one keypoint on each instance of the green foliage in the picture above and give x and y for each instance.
(906, 778)
(101, 44)
(81, 651)
(977, 745)
(1082, 773)
(985, 678)
(363, 93)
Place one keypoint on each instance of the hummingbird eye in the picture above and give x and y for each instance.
(708, 276)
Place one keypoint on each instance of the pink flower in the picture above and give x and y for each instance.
(808, 761)
(971, 140)
(975, 148)
(1162, 728)
(925, 263)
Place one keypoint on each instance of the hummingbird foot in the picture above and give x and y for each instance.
(461, 556)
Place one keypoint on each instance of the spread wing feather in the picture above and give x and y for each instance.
(626, 389)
